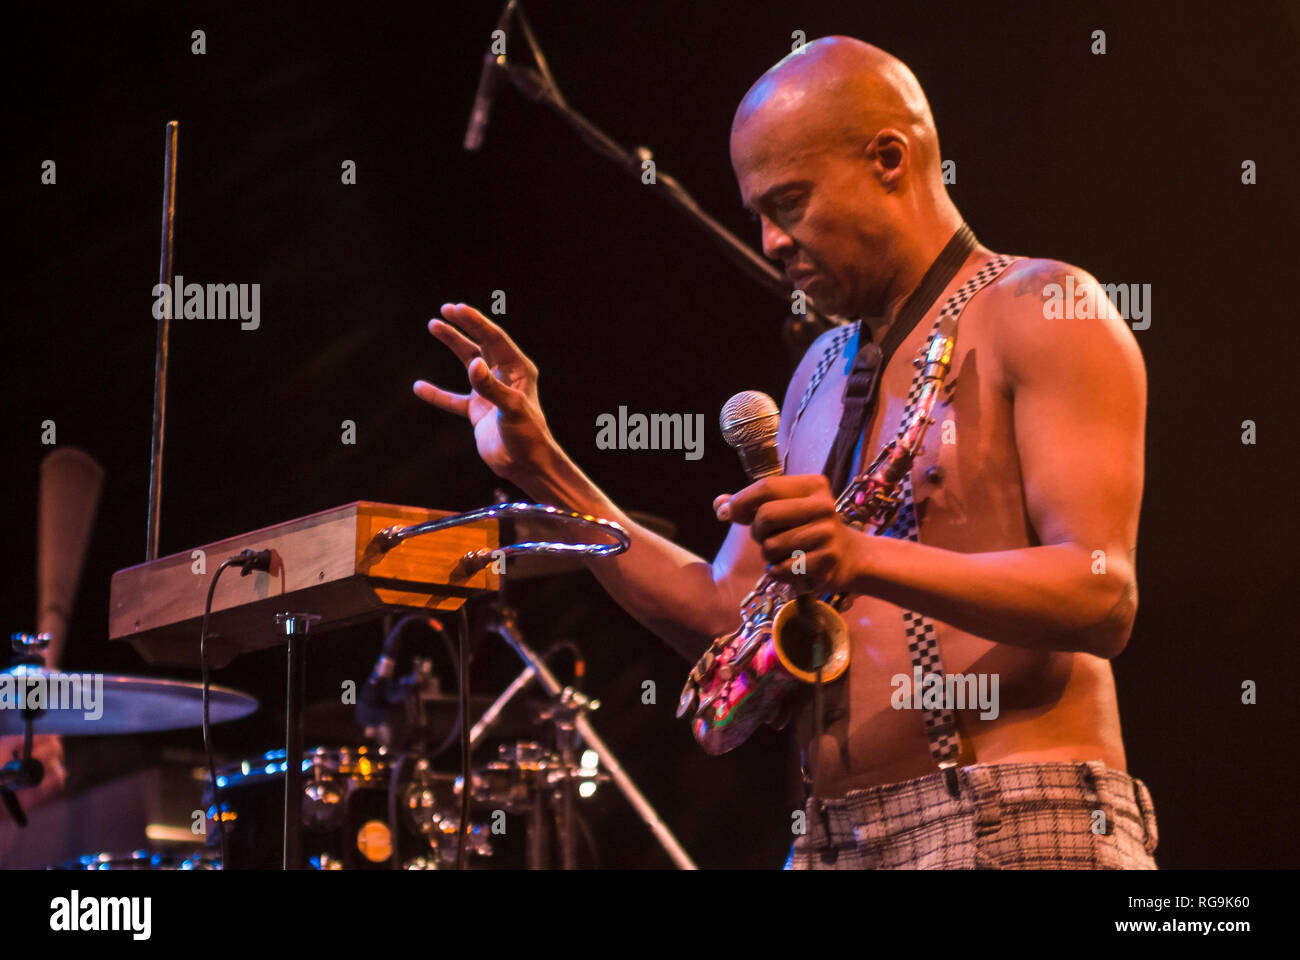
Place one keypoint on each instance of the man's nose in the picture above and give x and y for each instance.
(776, 242)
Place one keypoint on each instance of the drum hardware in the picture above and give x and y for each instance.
(475, 561)
(143, 860)
(564, 712)
(121, 704)
(344, 807)
(23, 771)
(396, 711)
(569, 709)
(528, 779)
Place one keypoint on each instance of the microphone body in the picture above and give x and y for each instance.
(749, 422)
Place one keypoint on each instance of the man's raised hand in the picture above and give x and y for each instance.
(509, 428)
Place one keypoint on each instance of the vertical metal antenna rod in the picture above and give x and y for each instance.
(164, 335)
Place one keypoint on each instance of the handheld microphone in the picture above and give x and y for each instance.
(749, 422)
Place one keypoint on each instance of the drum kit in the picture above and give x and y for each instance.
(379, 802)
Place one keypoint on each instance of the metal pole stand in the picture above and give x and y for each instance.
(295, 627)
(564, 711)
(504, 625)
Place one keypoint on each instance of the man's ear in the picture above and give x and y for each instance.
(888, 153)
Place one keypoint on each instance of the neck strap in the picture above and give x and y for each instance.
(860, 391)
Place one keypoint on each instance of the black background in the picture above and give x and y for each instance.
(1127, 164)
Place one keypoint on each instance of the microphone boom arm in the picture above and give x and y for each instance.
(799, 330)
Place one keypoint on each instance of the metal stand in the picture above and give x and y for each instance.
(564, 712)
(24, 771)
(295, 627)
(799, 331)
(575, 706)
(570, 705)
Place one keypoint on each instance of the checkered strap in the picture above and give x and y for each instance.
(922, 637)
(834, 347)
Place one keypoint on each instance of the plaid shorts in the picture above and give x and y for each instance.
(1004, 816)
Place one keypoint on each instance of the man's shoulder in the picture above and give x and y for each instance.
(1028, 277)
(1030, 311)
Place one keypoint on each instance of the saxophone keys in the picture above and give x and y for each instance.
(687, 700)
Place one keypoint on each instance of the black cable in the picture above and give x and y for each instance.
(462, 624)
(579, 661)
(390, 649)
(248, 561)
(207, 720)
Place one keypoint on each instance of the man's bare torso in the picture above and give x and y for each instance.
(1053, 706)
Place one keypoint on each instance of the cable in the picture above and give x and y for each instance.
(207, 720)
(392, 651)
(247, 561)
(579, 661)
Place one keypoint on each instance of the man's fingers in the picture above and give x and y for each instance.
(780, 547)
(492, 340)
(742, 506)
(461, 345)
(457, 403)
(483, 380)
(777, 516)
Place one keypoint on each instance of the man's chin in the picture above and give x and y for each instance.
(827, 305)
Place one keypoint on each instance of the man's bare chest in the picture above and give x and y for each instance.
(966, 481)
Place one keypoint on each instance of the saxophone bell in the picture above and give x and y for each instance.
(808, 631)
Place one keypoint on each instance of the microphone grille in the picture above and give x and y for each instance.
(748, 418)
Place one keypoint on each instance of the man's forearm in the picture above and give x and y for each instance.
(1044, 598)
(665, 587)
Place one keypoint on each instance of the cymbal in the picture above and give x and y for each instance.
(89, 704)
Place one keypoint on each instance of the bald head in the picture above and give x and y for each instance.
(836, 93)
(836, 156)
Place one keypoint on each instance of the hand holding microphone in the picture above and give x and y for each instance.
(792, 518)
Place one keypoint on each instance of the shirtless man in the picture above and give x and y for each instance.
(836, 155)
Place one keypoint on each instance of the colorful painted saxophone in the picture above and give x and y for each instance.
(746, 676)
